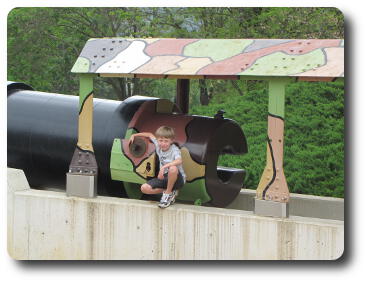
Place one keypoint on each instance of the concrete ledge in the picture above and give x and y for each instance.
(271, 208)
(299, 205)
(49, 225)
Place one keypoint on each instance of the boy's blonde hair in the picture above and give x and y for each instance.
(165, 132)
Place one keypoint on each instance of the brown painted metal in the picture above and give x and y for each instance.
(147, 119)
(182, 95)
(208, 138)
(142, 154)
(202, 140)
(131, 150)
(83, 162)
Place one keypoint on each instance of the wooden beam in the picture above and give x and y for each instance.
(182, 95)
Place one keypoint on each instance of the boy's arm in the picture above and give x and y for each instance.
(175, 162)
(146, 135)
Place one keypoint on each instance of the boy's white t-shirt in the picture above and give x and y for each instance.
(168, 156)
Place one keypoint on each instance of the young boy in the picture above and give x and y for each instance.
(171, 175)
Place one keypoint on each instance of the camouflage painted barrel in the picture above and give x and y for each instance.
(42, 133)
(201, 140)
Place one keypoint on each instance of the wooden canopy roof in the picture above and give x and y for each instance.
(306, 59)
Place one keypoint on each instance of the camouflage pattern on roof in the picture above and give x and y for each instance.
(200, 58)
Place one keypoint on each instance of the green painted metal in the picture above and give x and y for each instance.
(198, 202)
(85, 87)
(193, 191)
(133, 190)
(277, 96)
(129, 132)
(81, 65)
(121, 167)
(285, 65)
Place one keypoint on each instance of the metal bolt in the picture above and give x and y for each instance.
(79, 161)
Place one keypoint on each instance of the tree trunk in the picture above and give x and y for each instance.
(204, 97)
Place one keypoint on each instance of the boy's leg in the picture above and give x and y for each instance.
(172, 177)
(147, 189)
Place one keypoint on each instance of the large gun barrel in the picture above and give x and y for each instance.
(43, 129)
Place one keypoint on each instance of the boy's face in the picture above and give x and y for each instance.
(164, 143)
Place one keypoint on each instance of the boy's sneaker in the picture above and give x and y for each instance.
(173, 196)
(166, 200)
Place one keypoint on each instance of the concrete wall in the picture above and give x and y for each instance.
(49, 225)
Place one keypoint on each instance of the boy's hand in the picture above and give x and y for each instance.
(160, 174)
(131, 139)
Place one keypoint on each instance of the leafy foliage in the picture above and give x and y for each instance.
(314, 140)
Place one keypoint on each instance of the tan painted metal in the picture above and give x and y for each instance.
(192, 169)
(85, 128)
(142, 168)
(273, 180)
(164, 106)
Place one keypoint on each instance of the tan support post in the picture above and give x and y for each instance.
(272, 194)
(82, 176)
